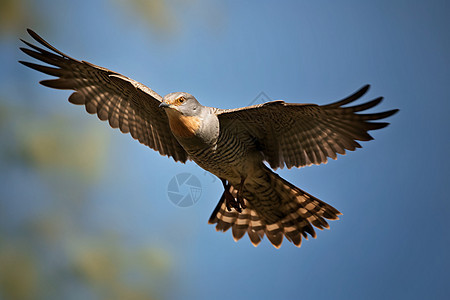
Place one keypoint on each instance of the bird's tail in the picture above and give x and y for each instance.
(276, 208)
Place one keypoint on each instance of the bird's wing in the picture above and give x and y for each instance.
(298, 135)
(126, 104)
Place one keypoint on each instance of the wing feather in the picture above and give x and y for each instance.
(124, 103)
(304, 134)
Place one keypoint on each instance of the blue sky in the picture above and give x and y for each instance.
(392, 240)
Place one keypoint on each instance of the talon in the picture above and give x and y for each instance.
(240, 199)
(241, 202)
(231, 202)
(229, 199)
(237, 206)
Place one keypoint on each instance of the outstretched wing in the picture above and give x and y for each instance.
(297, 135)
(125, 103)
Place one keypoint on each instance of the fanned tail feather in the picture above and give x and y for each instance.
(297, 213)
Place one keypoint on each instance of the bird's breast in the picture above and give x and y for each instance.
(183, 126)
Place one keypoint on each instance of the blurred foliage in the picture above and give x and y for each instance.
(52, 142)
(118, 273)
(46, 249)
(46, 254)
(166, 17)
(163, 17)
(18, 272)
(41, 261)
(56, 143)
(12, 15)
(156, 13)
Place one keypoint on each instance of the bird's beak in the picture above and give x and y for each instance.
(164, 105)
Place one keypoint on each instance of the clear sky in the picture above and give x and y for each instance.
(392, 240)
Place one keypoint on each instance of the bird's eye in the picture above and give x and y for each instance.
(181, 100)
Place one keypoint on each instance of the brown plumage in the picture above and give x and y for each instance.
(230, 143)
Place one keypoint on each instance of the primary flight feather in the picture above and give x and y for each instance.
(232, 144)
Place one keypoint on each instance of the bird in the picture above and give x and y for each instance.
(242, 147)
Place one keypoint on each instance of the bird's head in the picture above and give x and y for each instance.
(184, 114)
(183, 103)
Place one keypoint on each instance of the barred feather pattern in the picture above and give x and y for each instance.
(282, 134)
(294, 215)
(123, 102)
(297, 135)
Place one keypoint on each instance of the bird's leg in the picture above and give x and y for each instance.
(240, 198)
(229, 199)
(231, 202)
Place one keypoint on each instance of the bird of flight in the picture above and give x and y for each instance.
(232, 144)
